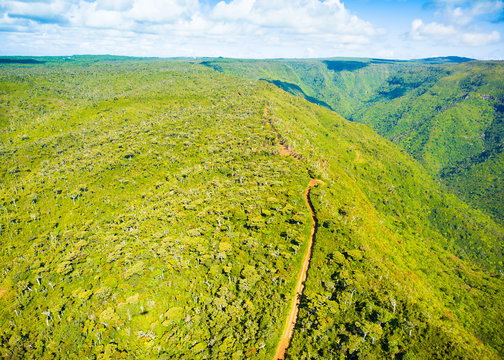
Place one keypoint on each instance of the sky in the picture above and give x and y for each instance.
(393, 29)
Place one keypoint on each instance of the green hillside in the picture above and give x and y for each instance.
(388, 237)
(445, 112)
(338, 84)
(144, 214)
(450, 119)
(149, 211)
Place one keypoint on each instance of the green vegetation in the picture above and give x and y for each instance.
(451, 119)
(144, 213)
(148, 211)
(341, 84)
(383, 264)
(318, 81)
(448, 113)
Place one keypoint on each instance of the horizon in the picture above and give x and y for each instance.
(447, 57)
(254, 29)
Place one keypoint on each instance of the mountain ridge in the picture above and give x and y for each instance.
(417, 104)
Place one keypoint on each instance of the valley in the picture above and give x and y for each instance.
(445, 112)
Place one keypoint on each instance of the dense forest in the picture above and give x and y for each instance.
(155, 208)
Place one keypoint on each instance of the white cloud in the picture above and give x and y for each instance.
(451, 34)
(162, 11)
(461, 23)
(467, 12)
(295, 16)
(237, 28)
(252, 27)
(237, 9)
(422, 31)
(134, 15)
(481, 39)
(114, 5)
(40, 11)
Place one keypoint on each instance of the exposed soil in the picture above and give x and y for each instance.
(285, 150)
(291, 320)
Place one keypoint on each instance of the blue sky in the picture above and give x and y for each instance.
(401, 29)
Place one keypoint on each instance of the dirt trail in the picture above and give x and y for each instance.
(291, 320)
(284, 150)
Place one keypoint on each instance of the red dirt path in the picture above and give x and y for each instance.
(291, 320)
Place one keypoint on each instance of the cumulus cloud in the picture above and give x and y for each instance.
(452, 34)
(301, 16)
(318, 24)
(37, 11)
(422, 31)
(114, 5)
(162, 11)
(461, 23)
(464, 12)
(481, 39)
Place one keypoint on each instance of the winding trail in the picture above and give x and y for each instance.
(291, 320)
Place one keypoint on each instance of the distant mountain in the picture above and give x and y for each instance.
(446, 60)
(338, 83)
(19, 61)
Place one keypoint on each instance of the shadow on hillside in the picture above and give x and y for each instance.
(341, 65)
(297, 91)
(20, 61)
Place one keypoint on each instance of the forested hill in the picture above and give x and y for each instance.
(446, 112)
(148, 211)
(452, 120)
(341, 84)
